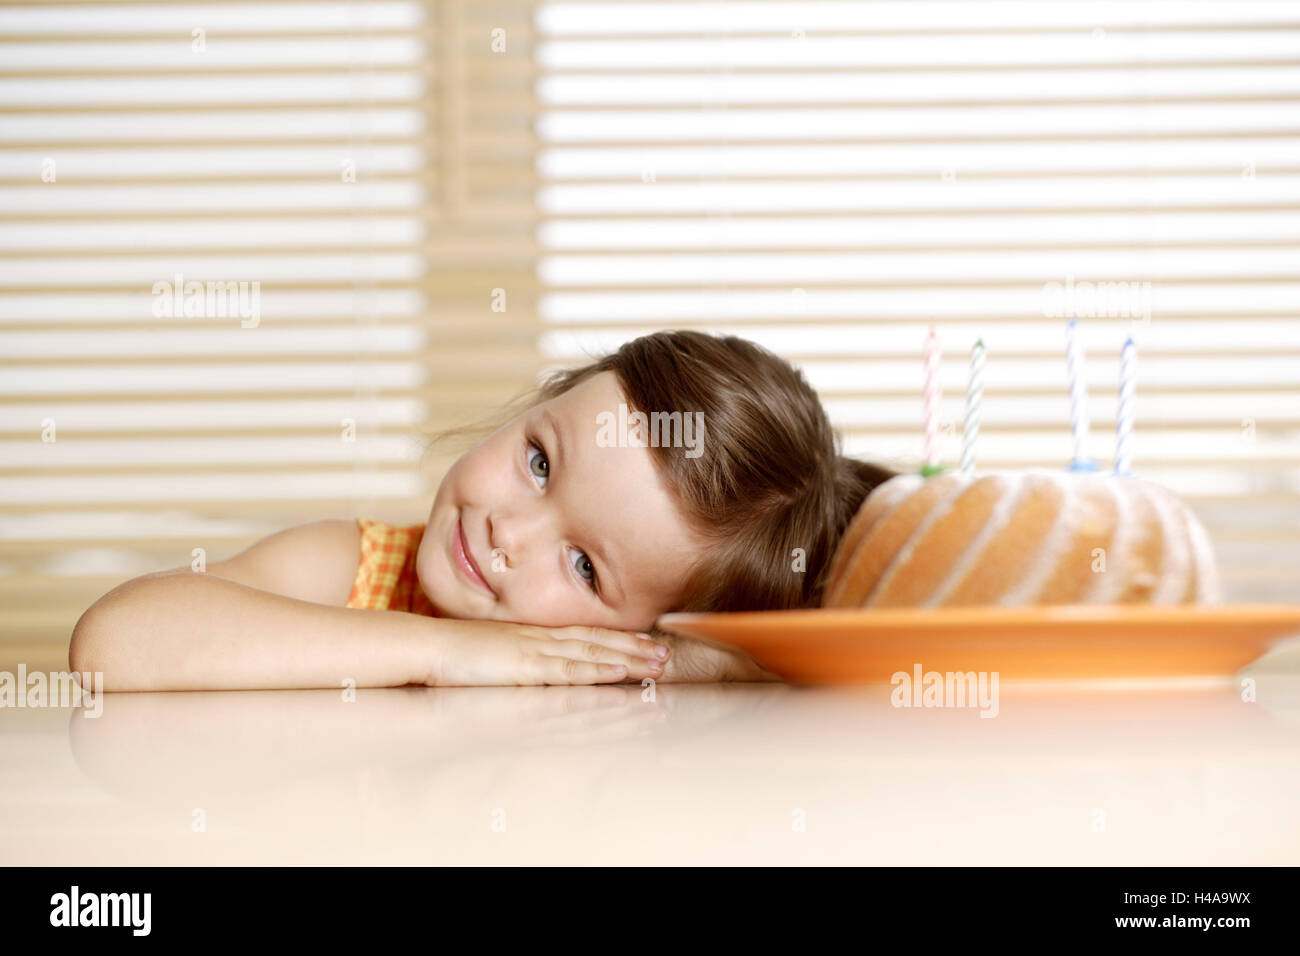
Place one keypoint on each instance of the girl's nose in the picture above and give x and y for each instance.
(512, 535)
(500, 557)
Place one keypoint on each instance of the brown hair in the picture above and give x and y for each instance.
(770, 478)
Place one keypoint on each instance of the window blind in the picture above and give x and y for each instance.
(830, 179)
(359, 176)
(826, 178)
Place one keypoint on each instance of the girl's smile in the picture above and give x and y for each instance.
(463, 556)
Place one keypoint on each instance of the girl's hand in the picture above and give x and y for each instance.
(695, 660)
(477, 652)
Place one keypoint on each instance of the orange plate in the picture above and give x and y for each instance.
(861, 645)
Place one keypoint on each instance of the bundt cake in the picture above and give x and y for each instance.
(1033, 537)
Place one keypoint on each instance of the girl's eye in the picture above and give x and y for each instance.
(538, 466)
(584, 568)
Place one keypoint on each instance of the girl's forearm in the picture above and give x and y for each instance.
(184, 630)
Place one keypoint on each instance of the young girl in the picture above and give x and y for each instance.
(548, 554)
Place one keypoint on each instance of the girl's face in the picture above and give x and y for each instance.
(560, 530)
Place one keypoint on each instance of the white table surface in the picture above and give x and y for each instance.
(1157, 772)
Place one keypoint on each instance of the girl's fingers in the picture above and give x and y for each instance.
(566, 670)
(616, 640)
(592, 651)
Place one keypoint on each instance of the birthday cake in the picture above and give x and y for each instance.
(1022, 538)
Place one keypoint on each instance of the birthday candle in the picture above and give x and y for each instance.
(1078, 398)
(933, 396)
(970, 428)
(1124, 420)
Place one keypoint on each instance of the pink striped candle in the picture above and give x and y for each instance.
(1124, 419)
(933, 398)
(970, 428)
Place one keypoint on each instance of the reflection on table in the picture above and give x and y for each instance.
(1161, 772)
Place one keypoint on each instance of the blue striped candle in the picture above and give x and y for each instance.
(1078, 399)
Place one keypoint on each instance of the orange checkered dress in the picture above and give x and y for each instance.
(386, 578)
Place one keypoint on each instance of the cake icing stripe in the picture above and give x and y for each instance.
(1208, 586)
(1001, 516)
(1176, 558)
(1109, 585)
(1051, 551)
(880, 503)
(918, 534)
